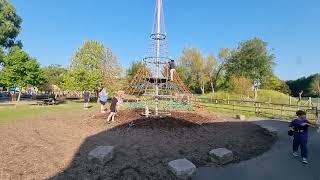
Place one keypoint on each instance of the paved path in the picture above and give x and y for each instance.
(277, 164)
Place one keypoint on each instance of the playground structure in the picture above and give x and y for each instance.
(151, 81)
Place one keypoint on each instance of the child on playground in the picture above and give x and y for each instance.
(115, 102)
(172, 68)
(86, 97)
(299, 131)
(103, 96)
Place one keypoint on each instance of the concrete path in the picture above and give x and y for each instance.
(277, 164)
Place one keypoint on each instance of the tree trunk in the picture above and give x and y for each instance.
(217, 77)
(212, 87)
(18, 100)
(202, 89)
(255, 94)
(97, 94)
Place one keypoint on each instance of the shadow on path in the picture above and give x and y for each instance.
(276, 164)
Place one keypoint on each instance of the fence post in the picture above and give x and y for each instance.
(228, 99)
(317, 113)
(270, 101)
(281, 113)
(290, 100)
(255, 108)
(310, 102)
(272, 110)
(234, 106)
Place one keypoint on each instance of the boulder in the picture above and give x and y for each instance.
(101, 154)
(221, 156)
(182, 168)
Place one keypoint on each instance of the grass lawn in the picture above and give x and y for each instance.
(11, 113)
(263, 96)
(266, 111)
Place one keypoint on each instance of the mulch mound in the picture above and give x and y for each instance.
(144, 146)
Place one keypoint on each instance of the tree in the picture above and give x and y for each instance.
(21, 70)
(9, 24)
(316, 86)
(2, 55)
(210, 72)
(305, 84)
(194, 64)
(251, 60)
(92, 67)
(113, 73)
(132, 70)
(220, 65)
(240, 85)
(54, 73)
(274, 83)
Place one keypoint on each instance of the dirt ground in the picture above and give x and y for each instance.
(56, 147)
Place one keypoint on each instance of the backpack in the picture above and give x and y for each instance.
(290, 132)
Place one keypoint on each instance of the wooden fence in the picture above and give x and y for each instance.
(266, 109)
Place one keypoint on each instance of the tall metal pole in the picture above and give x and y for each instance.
(159, 5)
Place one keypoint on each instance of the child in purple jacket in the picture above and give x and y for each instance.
(299, 128)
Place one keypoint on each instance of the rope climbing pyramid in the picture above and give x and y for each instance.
(156, 81)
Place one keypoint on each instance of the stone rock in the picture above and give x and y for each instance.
(241, 117)
(101, 154)
(221, 155)
(182, 168)
(270, 131)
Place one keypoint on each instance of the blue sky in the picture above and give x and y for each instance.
(53, 30)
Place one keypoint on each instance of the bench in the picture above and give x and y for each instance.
(49, 101)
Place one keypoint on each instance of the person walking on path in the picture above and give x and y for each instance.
(172, 67)
(299, 131)
(103, 96)
(86, 97)
(115, 102)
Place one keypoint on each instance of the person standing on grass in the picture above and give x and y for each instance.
(115, 102)
(103, 97)
(299, 131)
(86, 97)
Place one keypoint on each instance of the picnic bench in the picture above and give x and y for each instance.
(48, 101)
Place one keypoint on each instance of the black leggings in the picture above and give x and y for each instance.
(303, 147)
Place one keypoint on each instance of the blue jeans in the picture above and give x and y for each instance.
(303, 147)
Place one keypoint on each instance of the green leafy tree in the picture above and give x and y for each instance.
(194, 64)
(9, 24)
(209, 71)
(305, 84)
(92, 67)
(2, 55)
(54, 74)
(21, 70)
(274, 83)
(251, 60)
(219, 69)
(132, 70)
(85, 71)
